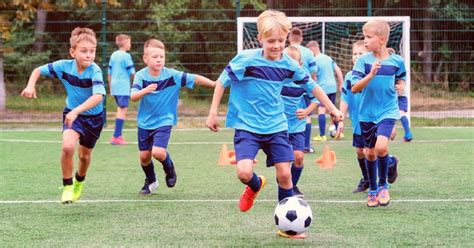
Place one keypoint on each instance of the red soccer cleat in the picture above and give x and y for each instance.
(248, 196)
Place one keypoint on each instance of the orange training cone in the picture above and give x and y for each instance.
(223, 156)
(328, 159)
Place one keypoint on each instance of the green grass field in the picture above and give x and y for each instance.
(432, 200)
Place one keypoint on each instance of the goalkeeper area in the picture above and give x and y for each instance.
(336, 36)
(432, 199)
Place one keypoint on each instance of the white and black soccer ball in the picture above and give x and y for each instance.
(332, 131)
(293, 215)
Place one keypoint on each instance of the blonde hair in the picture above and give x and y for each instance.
(81, 34)
(379, 27)
(294, 52)
(121, 39)
(359, 43)
(271, 20)
(296, 35)
(155, 43)
(312, 43)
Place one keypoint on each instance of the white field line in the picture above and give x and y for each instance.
(5, 202)
(220, 142)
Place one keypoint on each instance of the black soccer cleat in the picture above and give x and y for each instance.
(393, 171)
(362, 187)
(170, 176)
(297, 192)
(149, 187)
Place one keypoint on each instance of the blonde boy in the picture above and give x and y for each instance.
(82, 116)
(121, 72)
(157, 87)
(375, 75)
(256, 110)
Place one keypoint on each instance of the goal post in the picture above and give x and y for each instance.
(336, 36)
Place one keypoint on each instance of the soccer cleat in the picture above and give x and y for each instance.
(372, 201)
(309, 150)
(248, 196)
(170, 176)
(408, 137)
(68, 192)
(118, 141)
(362, 187)
(149, 187)
(383, 197)
(78, 186)
(297, 192)
(296, 236)
(319, 138)
(393, 170)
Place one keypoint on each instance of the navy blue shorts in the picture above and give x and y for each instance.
(159, 137)
(276, 146)
(357, 141)
(307, 102)
(122, 101)
(370, 131)
(403, 103)
(332, 97)
(297, 141)
(88, 127)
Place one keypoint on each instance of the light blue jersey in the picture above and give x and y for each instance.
(79, 87)
(379, 97)
(353, 102)
(120, 69)
(158, 108)
(293, 98)
(307, 57)
(255, 102)
(326, 78)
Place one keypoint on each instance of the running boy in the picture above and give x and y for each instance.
(157, 87)
(121, 72)
(256, 110)
(351, 102)
(296, 111)
(374, 75)
(329, 77)
(82, 116)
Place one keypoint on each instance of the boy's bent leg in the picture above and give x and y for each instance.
(285, 185)
(254, 184)
(70, 138)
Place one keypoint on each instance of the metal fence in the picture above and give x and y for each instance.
(201, 37)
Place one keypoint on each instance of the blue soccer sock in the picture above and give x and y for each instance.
(372, 172)
(167, 163)
(307, 136)
(406, 125)
(118, 127)
(322, 124)
(363, 168)
(149, 172)
(296, 173)
(383, 170)
(284, 193)
(254, 183)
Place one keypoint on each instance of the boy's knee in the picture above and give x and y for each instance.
(381, 151)
(68, 150)
(284, 177)
(244, 175)
(299, 159)
(84, 157)
(159, 154)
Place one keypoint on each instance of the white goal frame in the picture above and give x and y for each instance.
(405, 49)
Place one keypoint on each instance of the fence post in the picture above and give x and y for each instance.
(104, 55)
(369, 7)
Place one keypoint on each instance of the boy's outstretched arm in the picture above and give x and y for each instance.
(135, 96)
(204, 81)
(30, 89)
(211, 121)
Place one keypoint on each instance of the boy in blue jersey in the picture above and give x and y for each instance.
(328, 71)
(295, 38)
(82, 116)
(256, 111)
(350, 102)
(157, 87)
(296, 111)
(377, 75)
(121, 72)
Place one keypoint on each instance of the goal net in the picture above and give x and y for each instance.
(336, 36)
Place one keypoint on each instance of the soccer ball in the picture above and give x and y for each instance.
(332, 131)
(293, 215)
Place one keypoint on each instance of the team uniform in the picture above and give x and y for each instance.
(327, 81)
(256, 110)
(378, 107)
(157, 112)
(79, 88)
(403, 106)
